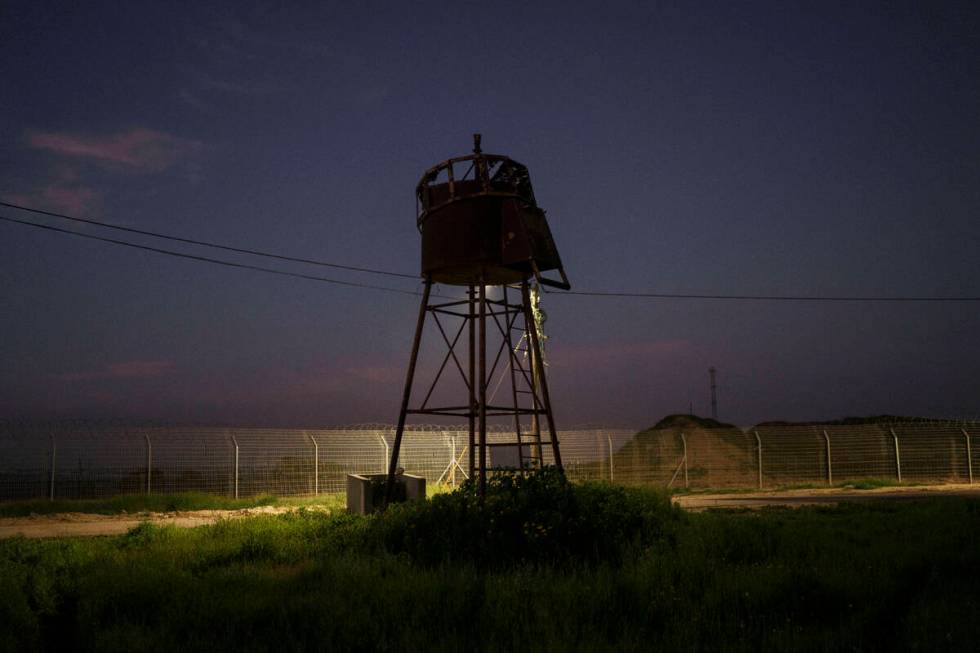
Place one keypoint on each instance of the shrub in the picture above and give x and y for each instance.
(541, 518)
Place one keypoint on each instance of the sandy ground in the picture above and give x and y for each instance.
(817, 496)
(76, 524)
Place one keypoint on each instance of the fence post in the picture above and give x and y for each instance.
(830, 467)
(54, 452)
(969, 459)
(684, 442)
(149, 462)
(612, 475)
(898, 457)
(316, 465)
(387, 449)
(452, 459)
(234, 441)
(758, 449)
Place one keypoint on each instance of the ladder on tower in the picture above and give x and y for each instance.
(526, 390)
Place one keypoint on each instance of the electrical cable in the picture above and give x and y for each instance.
(206, 259)
(204, 243)
(762, 298)
(283, 257)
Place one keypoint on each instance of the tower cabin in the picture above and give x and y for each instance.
(481, 225)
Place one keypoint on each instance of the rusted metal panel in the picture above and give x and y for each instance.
(480, 223)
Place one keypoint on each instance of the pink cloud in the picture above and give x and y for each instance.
(377, 373)
(140, 369)
(238, 87)
(63, 193)
(125, 370)
(572, 355)
(57, 197)
(332, 377)
(336, 380)
(138, 148)
(70, 200)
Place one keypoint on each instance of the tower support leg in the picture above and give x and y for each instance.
(472, 377)
(476, 373)
(483, 389)
(402, 414)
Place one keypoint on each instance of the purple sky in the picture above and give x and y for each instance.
(782, 148)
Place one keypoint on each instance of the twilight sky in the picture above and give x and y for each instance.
(761, 148)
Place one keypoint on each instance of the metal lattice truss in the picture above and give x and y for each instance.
(514, 359)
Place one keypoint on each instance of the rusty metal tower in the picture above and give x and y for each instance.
(482, 228)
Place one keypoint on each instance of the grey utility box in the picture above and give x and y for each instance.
(366, 494)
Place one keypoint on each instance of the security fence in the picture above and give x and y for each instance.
(782, 455)
(89, 459)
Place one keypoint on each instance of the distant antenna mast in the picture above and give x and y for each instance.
(714, 396)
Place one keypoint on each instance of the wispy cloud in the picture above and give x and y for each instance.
(380, 373)
(135, 369)
(137, 149)
(231, 38)
(140, 369)
(76, 200)
(238, 86)
(599, 354)
(192, 99)
(229, 46)
(64, 193)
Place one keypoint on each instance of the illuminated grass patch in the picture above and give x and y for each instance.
(179, 502)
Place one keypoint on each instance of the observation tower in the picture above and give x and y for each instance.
(483, 230)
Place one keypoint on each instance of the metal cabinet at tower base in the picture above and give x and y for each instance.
(365, 493)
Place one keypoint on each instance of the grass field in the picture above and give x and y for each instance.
(541, 566)
(187, 501)
(870, 483)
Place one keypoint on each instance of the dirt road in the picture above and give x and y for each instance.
(77, 524)
(794, 498)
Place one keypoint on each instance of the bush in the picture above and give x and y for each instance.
(541, 519)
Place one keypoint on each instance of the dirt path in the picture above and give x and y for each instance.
(793, 498)
(78, 524)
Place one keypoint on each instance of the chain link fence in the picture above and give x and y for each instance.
(785, 455)
(89, 460)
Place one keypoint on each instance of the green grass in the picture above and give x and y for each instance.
(540, 566)
(857, 484)
(716, 490)
(873, 484)
(138, 503)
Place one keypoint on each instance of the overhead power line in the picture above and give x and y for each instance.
(206, 259)
(204, 243)
(765, 298)
(283, 257)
